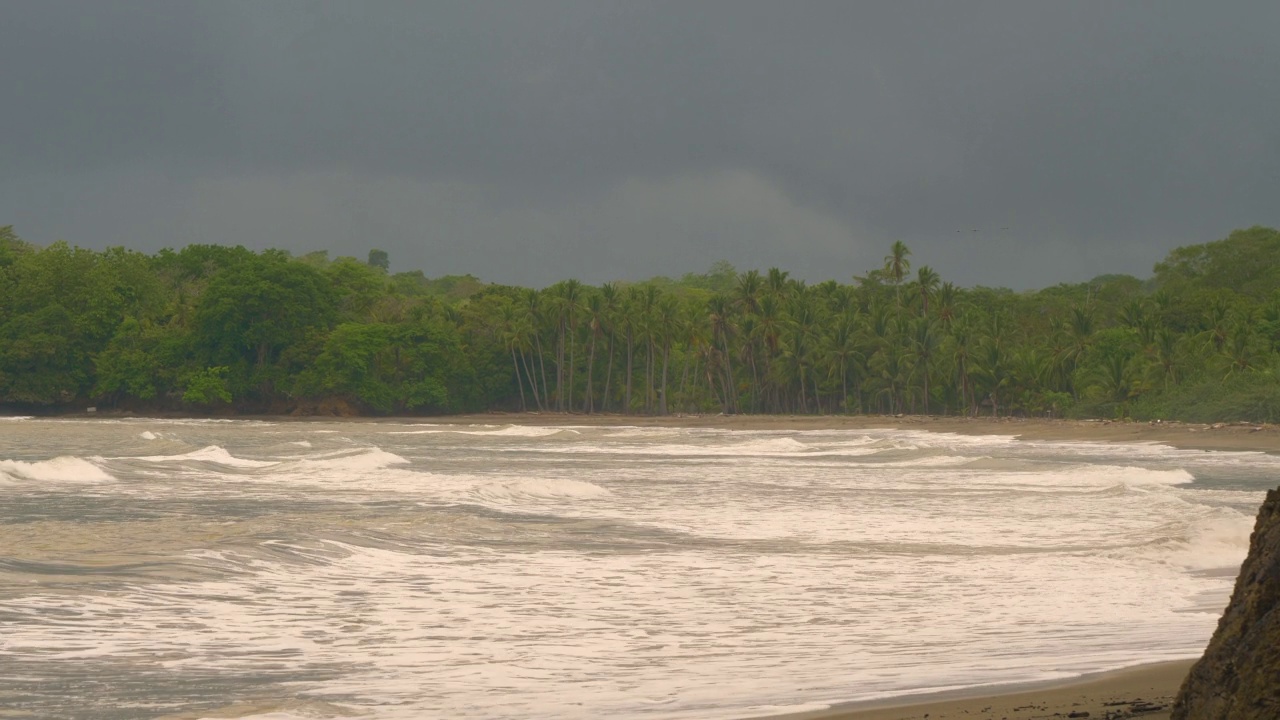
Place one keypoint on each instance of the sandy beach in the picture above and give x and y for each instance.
(1145, 691)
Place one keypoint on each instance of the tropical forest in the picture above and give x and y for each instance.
(217, 330)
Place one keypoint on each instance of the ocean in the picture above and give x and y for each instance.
(280, 570)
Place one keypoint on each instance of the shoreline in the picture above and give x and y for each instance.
(1239, 437)
(1145, 691)
(1229, 437)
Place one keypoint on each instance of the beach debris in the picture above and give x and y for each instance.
(1078, 714)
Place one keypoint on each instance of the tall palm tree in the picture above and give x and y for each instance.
(768, 331)
(534, 313)
(668, 316)
(630, 314)
(722, 328)
(927, 282)
(924, 341)
(896, 266)
(841, 349)
(611, 299)
(750, 285)
(595, 312)
(776, 281)
(649, 300)
(570, 300)
(947, 304)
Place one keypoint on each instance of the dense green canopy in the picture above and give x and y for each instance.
(215, 329)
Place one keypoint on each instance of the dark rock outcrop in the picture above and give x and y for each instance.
(1239, 676)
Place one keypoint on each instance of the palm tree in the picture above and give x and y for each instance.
(777, 281)
(649, 298)
(570, 297)
(947, 301)
(927, 281)
(631, 324)
(768, 330)
(896, 266)
(841, 348)
(1166, 356)
(595, 309)
(1117, 380)
(611, 300)
(534, 311)
(750, 285)
(511, 338)
(668, 330)
(924, 341)
(718, 308)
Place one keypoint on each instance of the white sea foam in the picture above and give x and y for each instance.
(358, 460)
(539, 489)
(661, 574)
(148, 435)
(1213, 541)
(525, 431)
(64, 469)
(211, 454)
(1082, 476)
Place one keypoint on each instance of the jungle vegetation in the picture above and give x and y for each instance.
(214, 329)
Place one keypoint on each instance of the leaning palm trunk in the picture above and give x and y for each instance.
(533, 380)
(608, 378)
(542, 363)
(519, 383)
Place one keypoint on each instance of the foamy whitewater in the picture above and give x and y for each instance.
(380, 570)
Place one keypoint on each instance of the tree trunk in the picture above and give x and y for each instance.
(542, 362)
(608, 378)
(662, 399)
(572, 365)
(588, 404)
(630, 356)
(533, 380)
(519, 384)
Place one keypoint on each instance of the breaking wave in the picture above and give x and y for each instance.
(212, 454)
(363, 459)
(64, 469)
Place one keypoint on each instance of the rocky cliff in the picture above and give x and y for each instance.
(1239, 676)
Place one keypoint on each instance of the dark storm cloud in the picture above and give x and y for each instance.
(1006, 143)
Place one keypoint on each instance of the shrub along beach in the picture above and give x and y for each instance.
(212, 329)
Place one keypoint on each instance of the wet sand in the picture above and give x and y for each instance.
(1145, 691)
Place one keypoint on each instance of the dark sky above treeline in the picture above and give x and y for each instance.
(1007, 143)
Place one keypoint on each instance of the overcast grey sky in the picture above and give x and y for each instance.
(1007, 143)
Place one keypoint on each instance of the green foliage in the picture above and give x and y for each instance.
(207, 387)
(1246, 262)
(1252, 396)
(211, 326)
